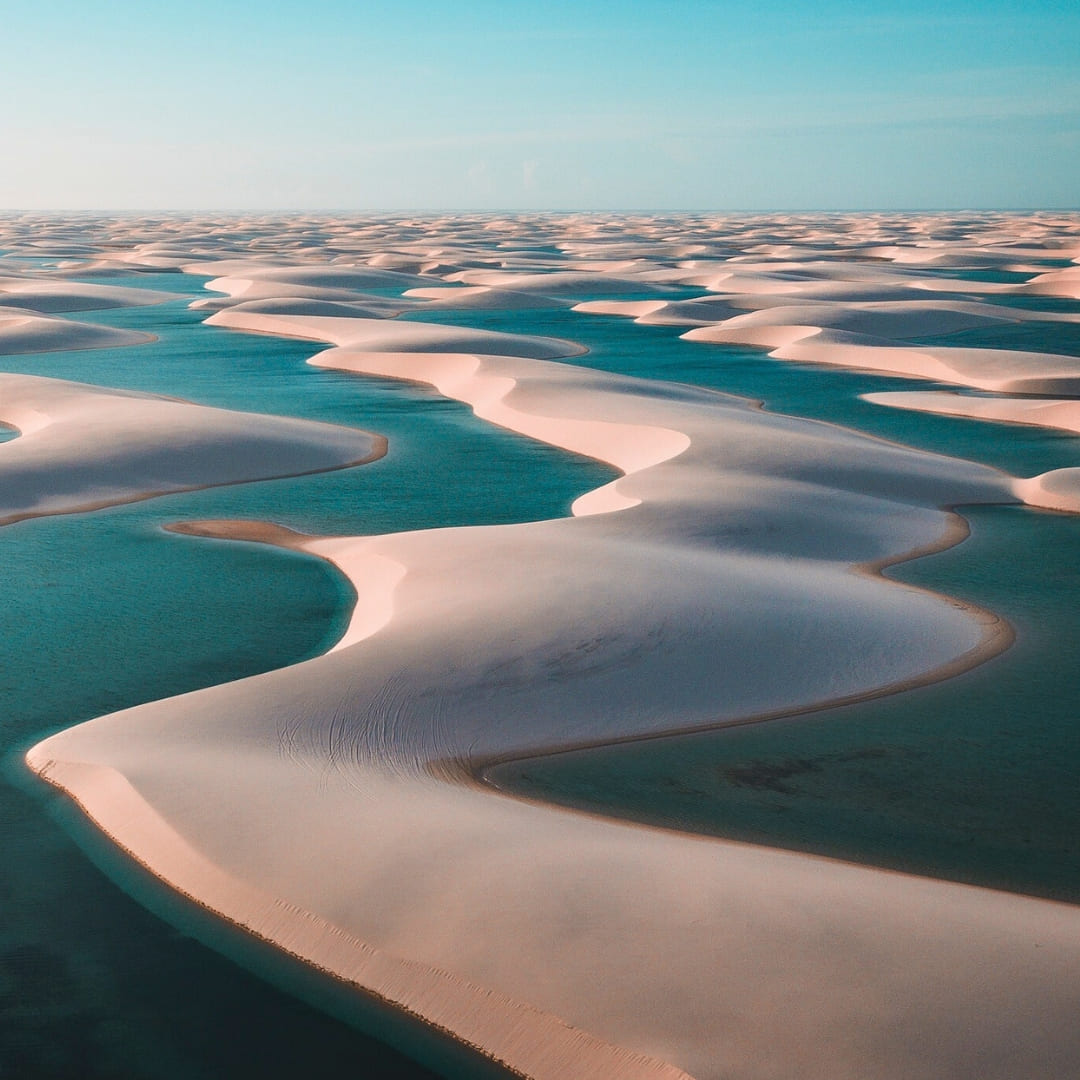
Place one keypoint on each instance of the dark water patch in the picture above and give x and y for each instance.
(1035, 302)
(971, 780)
(959, 275)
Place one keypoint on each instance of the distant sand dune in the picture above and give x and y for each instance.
(24, 331)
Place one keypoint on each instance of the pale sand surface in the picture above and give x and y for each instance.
(26, 331)
(58, 296)
(1061, 413)
(382, 335)
(337, 807)
(83, 447)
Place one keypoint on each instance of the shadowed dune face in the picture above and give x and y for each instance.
(26, 331)
(338, 807)
(84, 447)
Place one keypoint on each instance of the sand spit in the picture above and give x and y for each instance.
(57, 296)
(1002, 370)
(381, 335)
(1062, 413)
(338, 808)
(84, 447)
(26, 331)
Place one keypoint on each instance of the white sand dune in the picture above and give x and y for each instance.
(895, 320)
(83, 447)
(1057, 490)
(269, 296)
(57, 296)
(383, 335)
(1063, 413)
(561, 283)
(367, 308)
(1003, 370)
(1058, 283)
(481, 297)
(338, 807)
(25, 331)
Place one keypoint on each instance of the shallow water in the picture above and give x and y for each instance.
(971, 780)
(106, 610)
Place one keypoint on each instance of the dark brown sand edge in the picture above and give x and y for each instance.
(379, 448)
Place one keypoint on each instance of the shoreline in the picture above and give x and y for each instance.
(269, 533)
(363, 968)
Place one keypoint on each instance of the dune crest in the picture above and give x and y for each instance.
(85, 447)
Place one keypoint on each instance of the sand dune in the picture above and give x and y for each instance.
(1058, 283)
(482, 297)
(746, 515)
(566, 283)
(383, 335)
(83, 447)
(25, 331)
(56, 296)
(1063, 414)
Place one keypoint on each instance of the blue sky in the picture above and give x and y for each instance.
(588, 104)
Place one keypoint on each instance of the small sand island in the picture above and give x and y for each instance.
(735, 572)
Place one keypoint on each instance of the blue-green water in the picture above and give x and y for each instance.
(106, 610)
(973, 779)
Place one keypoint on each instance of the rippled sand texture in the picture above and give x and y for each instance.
(338, 807)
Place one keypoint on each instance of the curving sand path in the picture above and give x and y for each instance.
(85, 447)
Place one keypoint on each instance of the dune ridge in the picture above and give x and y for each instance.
(85, 447)
(24, 330)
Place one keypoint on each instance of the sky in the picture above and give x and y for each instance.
(566, 104)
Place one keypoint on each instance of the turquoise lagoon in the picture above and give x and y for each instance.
(106, 610)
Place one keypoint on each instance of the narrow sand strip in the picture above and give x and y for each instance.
(26, 331)
(383, 335)
(85, 447)
(44, 295)
(1063, 414)
(1002, 370)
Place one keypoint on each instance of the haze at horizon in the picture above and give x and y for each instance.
(553, 105)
